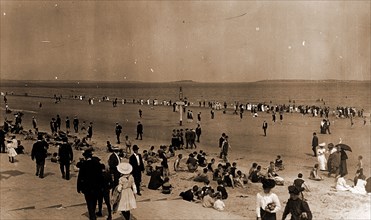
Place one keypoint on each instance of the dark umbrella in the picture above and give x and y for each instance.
(344, 147)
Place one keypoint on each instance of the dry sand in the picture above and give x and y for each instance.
(291, 139)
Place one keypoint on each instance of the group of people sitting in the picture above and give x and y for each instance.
(256, 175)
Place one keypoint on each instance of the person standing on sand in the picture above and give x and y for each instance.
(298, 208)
(221, 140)
(39, 152)
(34, 123)
(68, 125)
(90, 131)
(65, 154)
(139, 130)
(76, 124)
(273, 116)
(113, 161)
(118, 129)
(314, 144)
(265, 127)
(267, 203)
(90, 181)
(136, 162)
(140, 113)
(198, 132)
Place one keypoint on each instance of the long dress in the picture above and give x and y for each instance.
(11, 148)
(127, 188)
(322, 161)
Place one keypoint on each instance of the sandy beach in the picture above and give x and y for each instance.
(291, 139)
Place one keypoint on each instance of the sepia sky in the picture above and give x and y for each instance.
(211, 41)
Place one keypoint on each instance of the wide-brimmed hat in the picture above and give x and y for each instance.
(115, 148)
(124, 168)
(268, 183)
(322, 144)
(293, 190)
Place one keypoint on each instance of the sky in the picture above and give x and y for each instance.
(204, 41)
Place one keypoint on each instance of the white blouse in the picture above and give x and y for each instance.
(263, 199)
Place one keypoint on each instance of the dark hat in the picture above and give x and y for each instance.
(268, 183)
(87, 153)
(330, 145)
(39, 137)
(135, 147)
(293, 190)
(64, 139)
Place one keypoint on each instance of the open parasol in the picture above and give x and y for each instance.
(344, 147)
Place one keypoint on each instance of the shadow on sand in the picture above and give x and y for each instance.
(9, 173)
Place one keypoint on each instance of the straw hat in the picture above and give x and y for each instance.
(124, 168)
(322, 144)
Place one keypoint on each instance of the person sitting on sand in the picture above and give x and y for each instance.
(202, 177)
(218, 173)
(109, 147)
(240, 180)
(221, 189)
(202, 159)
(257, 176)
(205, 187)
(228, 179)
(219, 204)
(360, 184)
(314, 173)
(192, 163)
(149, 168)
(252, 169)
(279, 163)
(166, 186)
(208, 201)
(211, 165)
(273, 175)
(341, 184)
(177, 166)
(156, 181)
(300, 185)
(189, 195)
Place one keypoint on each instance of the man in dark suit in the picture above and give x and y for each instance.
(139, 130)
(136, 162)
(314, 144)
(118, 129)
(113, 161)
(39, 152)
(65, 158)
(265, 127)
(90, 181)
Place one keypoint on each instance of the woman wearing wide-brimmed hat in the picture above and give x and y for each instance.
(127, 189)
(267, 203)
(322, 161)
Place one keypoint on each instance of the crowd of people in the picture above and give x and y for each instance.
(120, 182)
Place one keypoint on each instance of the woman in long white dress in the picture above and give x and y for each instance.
(128, 190)
(321, 155)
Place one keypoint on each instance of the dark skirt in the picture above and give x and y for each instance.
(343, 167)
(267, 215)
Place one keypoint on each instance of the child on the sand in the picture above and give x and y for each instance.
(208, 201)
(166, 186)
(279, 163)
(314, 173)
(219, 204)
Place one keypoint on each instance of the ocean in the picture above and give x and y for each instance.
(333, 93)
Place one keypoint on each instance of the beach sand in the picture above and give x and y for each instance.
(291, 139)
